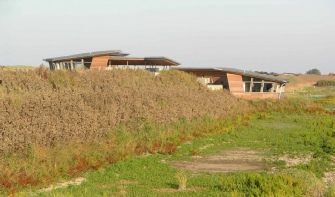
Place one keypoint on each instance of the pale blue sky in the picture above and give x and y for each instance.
(263, 35)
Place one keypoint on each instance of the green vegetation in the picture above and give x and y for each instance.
(323, 96)
(327, 102)
(325, 83)
(261, 184)
(292, 79)
(306, 138)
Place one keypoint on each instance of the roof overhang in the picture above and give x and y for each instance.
(236, 71)
(146, 61)
(118, 58)
(86, 55)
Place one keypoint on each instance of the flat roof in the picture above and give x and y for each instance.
(237, 71)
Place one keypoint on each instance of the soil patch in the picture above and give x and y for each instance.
(172, 190)
(293, 161)
(227, 161)
(77, 181)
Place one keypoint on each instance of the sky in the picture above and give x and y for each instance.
(259, 35)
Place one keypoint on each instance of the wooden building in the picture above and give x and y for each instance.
(101, 60)
(247, 84)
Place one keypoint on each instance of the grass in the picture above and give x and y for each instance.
(57, 125)
(182, 179)
(308, 92)
(324, 96)
(153, 122)
(272, 135)
(292, 79)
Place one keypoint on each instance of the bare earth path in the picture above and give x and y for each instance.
(227, 161)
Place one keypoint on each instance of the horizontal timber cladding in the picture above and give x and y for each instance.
(99, 62)
(235, 83)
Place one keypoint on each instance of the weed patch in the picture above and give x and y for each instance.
(261, 184)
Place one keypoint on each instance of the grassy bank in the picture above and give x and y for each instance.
(296, 149)
(57, 125)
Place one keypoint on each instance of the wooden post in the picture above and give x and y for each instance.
(82, 64)
(280, 91)
(262, 87)
(72, 66)
(273, 87)
(251, 84)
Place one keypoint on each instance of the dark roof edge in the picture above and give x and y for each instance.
(238, 71)
(161, 57)
(87, 55)
(253, 74)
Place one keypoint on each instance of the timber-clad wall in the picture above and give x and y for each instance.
(235, 83)
(99, 62)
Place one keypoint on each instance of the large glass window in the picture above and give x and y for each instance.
(251, 84)
(268, 87)
(246, 78)
(246, 86)
(256, 87)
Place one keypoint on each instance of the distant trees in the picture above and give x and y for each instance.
(314, 71)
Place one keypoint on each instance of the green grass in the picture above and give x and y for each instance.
(272, 134)
(292, 79)
(261, 184)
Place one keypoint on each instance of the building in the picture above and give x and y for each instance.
(102, 60)
(241, 83)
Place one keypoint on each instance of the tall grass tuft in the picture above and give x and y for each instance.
(182, 179)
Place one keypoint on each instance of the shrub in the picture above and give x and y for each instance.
(325, 83)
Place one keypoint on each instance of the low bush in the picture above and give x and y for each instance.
(325, 83)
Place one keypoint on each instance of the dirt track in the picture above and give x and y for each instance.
(227, 161)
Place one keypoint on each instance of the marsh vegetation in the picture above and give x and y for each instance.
(128, 133)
